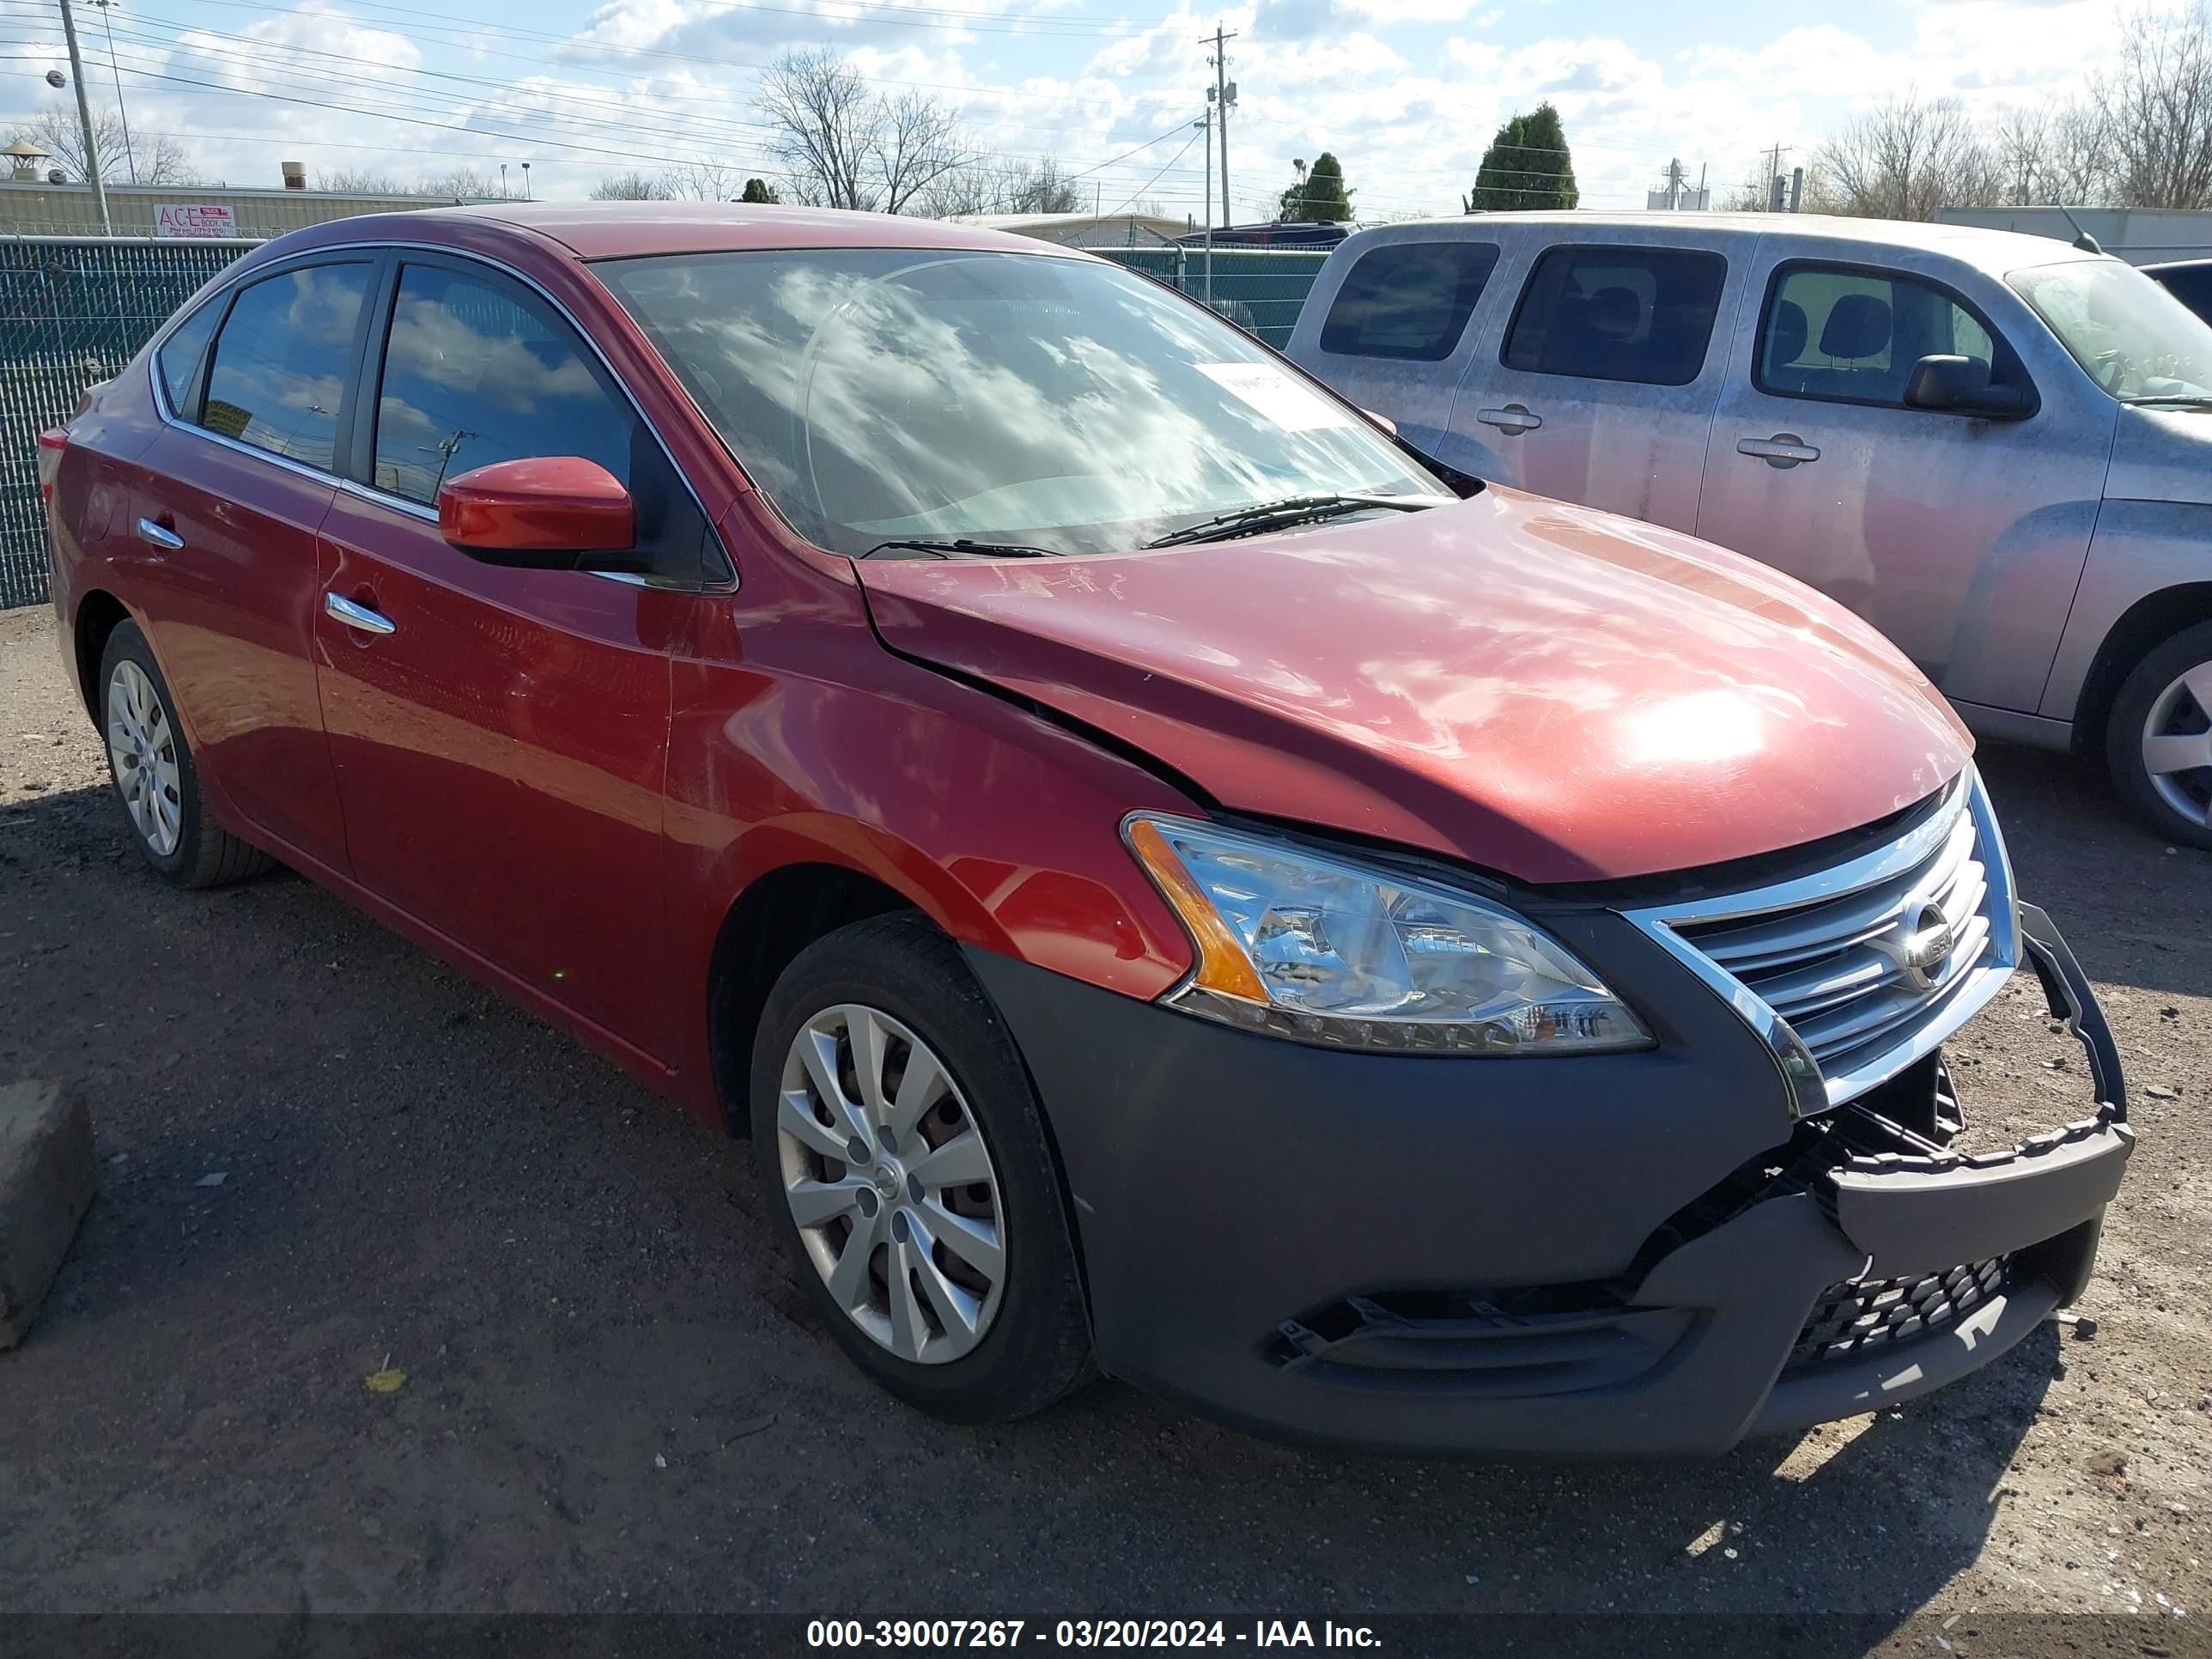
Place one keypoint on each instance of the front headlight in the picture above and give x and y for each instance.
(1300, 944)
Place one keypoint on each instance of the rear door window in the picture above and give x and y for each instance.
(1844, 334)
(1408, 299)
(475, 373)
(1643, 314)
(278, 374)
(180, 354)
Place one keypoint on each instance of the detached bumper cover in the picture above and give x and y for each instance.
(1639, 1254)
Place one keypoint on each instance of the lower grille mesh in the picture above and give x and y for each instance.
(1857, 1318)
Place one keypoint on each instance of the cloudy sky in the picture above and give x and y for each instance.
(1406, 92)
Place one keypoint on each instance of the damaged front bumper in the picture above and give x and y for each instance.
(1529, 1257)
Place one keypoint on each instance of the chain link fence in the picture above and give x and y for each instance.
(1259, 290)
(73, 312)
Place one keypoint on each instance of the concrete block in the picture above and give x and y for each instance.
(47, 1175)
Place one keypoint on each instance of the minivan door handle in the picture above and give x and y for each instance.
(1784, 449)
(161, 536)
(1513, 418)
(359, 615)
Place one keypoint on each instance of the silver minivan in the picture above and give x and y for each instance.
(1996, 448)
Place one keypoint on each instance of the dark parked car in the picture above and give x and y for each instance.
(2189, 281)
(1170, 884)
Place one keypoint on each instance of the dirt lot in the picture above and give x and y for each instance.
(612, 1400)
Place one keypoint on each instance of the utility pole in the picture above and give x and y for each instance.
(1207, 121)
(121, 108)
(1775, 184)
(1222, 96)
(84, 120)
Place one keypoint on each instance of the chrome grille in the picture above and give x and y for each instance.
(1856, 971)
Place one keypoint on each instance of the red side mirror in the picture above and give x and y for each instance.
(549, 504)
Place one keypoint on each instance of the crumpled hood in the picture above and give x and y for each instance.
(2161, 455)
(1547, 691)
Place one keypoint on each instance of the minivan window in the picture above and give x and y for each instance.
(180, 354)
(473, 376)
(279, 370)
(1618, 314)
(881, 394)
(2135, 338)
(1845, 335)
(1408, 299)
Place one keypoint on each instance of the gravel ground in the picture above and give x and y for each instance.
(326, 1154)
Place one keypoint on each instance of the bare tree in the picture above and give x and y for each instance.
(360, 181)
(702, 181)
(825, 125)
(459, 183)
(2155, 110)
(152, 158)
(843, 146)
(1009, 186)
(1036, 187)
(630, 187)
(2050, 153)
(921, 142)
(1906, 160)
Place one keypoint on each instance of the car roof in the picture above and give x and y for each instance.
(1997, 250)
(607, 230)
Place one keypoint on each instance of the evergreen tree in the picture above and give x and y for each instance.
(1527, 166)
(759, 189)
(1317, 197)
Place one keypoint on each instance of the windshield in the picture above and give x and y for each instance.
(2136, 340)
(889, 393)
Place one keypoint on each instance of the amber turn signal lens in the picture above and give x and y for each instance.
(1223, 967)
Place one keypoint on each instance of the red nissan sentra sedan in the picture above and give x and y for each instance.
(1172, 884)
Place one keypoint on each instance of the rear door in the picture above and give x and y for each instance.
(222, 537)
(1959, 536)
(1600, 387)
(500, 735)
(1393, 323)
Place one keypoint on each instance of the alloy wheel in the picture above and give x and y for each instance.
(891, 1186)
(142, 750)
(2177, 744)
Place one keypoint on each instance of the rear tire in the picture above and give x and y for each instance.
(151, 766)
(918, 1191)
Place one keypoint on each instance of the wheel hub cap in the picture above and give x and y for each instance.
(2177, 745)
(142, 751)
(890, 1184)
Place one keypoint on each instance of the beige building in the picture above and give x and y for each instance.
(35, 209)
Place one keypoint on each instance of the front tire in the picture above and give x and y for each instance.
(2158, 741)
(151, 766)
(896, 1128)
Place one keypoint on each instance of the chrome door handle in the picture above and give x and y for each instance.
(1511, 418)
(159, 535)
(1784, 449)
(359, 615)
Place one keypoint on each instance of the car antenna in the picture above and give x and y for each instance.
(2082, 239)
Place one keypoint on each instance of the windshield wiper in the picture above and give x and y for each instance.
(977, 550)
(2172, 400)
(1278, 515)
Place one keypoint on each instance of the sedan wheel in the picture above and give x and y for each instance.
(2158, 740)
(142, 750)
(891, 1111)
(890, 1185)
(2177, 744)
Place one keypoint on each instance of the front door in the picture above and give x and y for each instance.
(499, 735)
(1603, 390)
(1961, 537)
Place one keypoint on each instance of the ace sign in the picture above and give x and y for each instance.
(194, 219)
